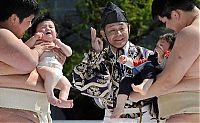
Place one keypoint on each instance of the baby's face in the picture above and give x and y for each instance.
(48, 29)
(162, 43)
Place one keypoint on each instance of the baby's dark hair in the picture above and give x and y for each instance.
(170, 38)
(40, 19)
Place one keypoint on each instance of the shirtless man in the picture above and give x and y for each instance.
(17, 102)
(177, 87)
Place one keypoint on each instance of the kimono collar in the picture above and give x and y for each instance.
(125, 49)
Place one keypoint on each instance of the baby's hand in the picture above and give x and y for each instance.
(38, 35)
(58, 42)
(122, 59)
(159, 50)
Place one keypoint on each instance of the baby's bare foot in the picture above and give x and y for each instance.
(117, 112)
(138, 88)
(53, 100)
(65, 104)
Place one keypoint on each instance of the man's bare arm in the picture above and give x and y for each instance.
(185, 85)
(177, 65)
(19, 81)
(15, 53)
(5, 69)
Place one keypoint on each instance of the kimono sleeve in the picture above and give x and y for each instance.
(92, 76)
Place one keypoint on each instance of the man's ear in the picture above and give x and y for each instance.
(103, 34)
(175, 14)
(13, 19)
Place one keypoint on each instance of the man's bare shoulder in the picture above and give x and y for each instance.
(189, 34)
(5, 32)
(193, 29)
(7, 36)
(188, 38)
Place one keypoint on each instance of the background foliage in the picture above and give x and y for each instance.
(138, 12)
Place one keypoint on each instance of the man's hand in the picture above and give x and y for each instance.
(97, 43)
(60, 55)
(41, 46)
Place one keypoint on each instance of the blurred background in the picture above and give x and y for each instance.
(75, 17)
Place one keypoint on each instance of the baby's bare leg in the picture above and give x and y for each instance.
(121, 100)
(64, 86)
(143, 87)
(50, 81)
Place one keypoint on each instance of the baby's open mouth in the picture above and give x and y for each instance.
(48, 33)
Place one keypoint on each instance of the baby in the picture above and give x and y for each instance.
(145, 71)
(50, 67)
